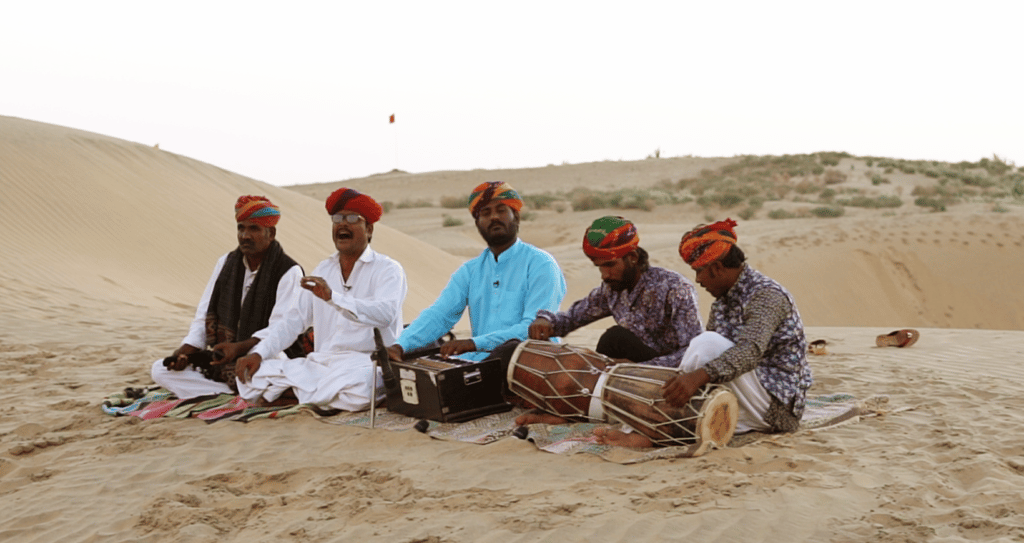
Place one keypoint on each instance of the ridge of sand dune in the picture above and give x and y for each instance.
(89, 219)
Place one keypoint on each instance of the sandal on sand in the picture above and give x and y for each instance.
(898, 338)
(817, 347)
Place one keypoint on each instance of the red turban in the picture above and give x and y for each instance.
(258, 210)
(353, 200)
(484, 193)
(706, 244)
(610, 237)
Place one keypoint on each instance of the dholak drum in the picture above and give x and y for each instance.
(632, 395)
(560, 379)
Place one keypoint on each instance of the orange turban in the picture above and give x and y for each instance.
(353, 200)
(484, 193)
(257, 209)
(706, 244)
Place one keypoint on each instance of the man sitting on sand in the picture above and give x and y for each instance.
(247, 287)
(348, 295)
(755, 344)
(655, 309)
(504, 287)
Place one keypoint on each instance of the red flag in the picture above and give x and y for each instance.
(392, 118)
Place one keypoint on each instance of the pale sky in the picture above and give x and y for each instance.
(300, 92)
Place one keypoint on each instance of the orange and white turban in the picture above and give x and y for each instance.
(706, 244)
(257, 209)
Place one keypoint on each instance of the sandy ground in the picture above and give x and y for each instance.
(107, 245)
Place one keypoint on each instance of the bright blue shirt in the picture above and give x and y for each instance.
(503, 296)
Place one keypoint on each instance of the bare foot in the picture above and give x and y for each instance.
(539, 418)
(617, 438)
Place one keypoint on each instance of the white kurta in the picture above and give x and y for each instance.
(189, 383)
(337, 373)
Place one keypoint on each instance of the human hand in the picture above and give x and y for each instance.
(395, 352)
(180, 357)
(247, 366)
(678, 390)
(457, 347)
(541, 329)
(317, 286)
(227, 352)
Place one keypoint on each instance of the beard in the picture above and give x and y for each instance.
(628, 280)
(500, 237)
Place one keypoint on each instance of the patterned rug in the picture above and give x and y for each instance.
(822, 412)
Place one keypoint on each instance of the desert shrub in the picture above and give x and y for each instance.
(876, 202)
(527, 215)
(869, 163)
(828, 212)
(977, 181)
(406, 204)
(453, 202)
(387, 205)
(1000, 209)
(934, 203)
(834, 177)
(448, 220)
(725, 200)
(995, 166)
(588, 201)
(827, 195)
(780, 214)
(806, 187)
(817, 169)
(539, 201)
(1018, 189)
(878, 180)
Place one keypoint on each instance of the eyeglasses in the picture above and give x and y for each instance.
(351, 218)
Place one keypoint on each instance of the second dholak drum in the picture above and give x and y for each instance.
(579, 384)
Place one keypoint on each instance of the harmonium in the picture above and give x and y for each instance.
(447, 389)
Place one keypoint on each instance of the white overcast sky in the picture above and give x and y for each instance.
(300, 92)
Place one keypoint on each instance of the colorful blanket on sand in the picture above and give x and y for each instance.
(827, 411)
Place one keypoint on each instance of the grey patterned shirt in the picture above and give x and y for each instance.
(661, 309)
(760, 317)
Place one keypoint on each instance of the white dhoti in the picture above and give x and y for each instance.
(753, 399)
(187, 383)
(334, 380)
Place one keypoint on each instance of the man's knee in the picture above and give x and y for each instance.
(619, 342)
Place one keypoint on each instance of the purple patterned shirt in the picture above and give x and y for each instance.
(661, 309)
(759, 316)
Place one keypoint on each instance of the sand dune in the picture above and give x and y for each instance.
(91, 222)
(107, 245)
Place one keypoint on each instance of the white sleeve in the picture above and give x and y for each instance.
(292, 314)
(390, 288)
